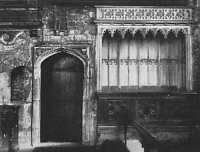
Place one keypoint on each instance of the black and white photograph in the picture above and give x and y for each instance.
(99, 75)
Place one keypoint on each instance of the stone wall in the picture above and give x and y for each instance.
(67, 30)
(72, 30)
(8, 127)
(65, 24)
(196, 49)
(15, 54)
(63, 28)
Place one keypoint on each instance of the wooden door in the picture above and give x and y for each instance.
(61, 95)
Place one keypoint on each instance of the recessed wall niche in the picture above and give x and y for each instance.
(20, 84)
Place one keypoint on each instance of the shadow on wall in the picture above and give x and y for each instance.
(113, 146)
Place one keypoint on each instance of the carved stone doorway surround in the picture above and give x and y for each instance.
(41, 54)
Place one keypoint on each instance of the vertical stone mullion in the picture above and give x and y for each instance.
(188, 42)
(99, 57)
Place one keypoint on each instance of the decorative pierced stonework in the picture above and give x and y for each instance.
(137, 14)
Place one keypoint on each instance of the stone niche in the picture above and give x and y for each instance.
(20, 85)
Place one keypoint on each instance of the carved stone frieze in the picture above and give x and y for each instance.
(15, 48)
(65, 39)
(10, 40)
(142, 14)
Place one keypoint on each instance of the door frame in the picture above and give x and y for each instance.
(88, 126)
(47, 69)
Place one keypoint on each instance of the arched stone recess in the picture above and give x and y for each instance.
(145, 32)
(21, 85)
(15, 84)
(162, 30)
(88, 115)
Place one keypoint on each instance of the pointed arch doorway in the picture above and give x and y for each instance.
(61, 98)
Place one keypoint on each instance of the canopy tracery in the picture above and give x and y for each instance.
(145, 31)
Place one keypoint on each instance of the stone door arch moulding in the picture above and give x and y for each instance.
(36, 114)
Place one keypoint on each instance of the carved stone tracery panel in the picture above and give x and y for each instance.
(144, 20)
(144, 14)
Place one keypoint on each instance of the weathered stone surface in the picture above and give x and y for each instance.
(64, 24)
(8, 126)
(158, 109)
(24, 125)
(14, 50)
(4, 88)
(125, 2)
(196, 49)
(115, 132)
(19, 14)
(196, 57)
